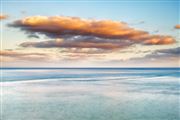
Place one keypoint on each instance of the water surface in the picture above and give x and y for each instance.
(90, 94)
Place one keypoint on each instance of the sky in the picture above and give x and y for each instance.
(96, 33)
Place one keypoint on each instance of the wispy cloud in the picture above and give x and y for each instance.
(168, 53)
(163, 54)
(10, 55)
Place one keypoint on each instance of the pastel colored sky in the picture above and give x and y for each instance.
(93, 33)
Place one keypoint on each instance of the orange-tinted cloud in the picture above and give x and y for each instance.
(13, 55)
(163, 40)
(177, 26)
(3, 17)
(65, 27)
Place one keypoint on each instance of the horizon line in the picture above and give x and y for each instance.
(89, 67)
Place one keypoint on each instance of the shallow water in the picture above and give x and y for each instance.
(90, 94)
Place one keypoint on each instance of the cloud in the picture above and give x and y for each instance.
(2, 17)
(87, 51)
(171, 52)
(163, 54)
(87, 40)
(33, 36)
(82, 42)
(82, 33)
(14, 55)
(177, 26)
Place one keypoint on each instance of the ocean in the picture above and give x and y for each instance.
(90, 94)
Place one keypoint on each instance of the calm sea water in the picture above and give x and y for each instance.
(90, 94)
